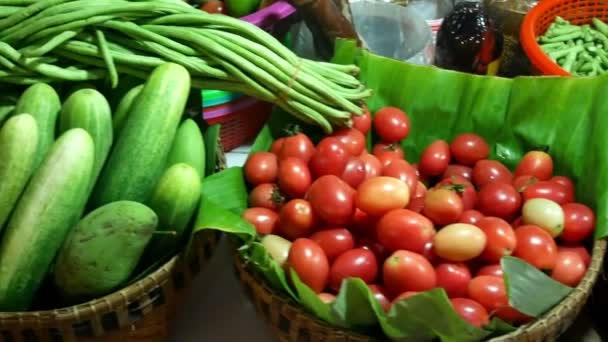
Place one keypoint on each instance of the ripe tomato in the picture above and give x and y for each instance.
(470, 217)
(332, 200)
(520, 183)
(355, 263)
(402, 170)
(373, 167)
(535, 246)
(463, 188)
(554, 191)
(459, 242)
(442, 206)
(352, 139)
(403, 229)
(535, 163)
(565, 181)
(354, 172)
(580, 250)
(261, 167)
(499, 199)
(429, 253)
(452, 170)
(408, 271)
(278, 248)
(435, 158)
(471, 311)
(501, 240)
(488, 171)
(276, 146)
(569, 268)
(330, 158)
(334, 241)
(264, 220)
(267, 196)
(454, 278)
(380, 195)
(294, 177)
(490, 270)
(297, 146)
(490, 292)
(363, 224)
(375, 247)
(468, 148)
(214, 6)
(417, 200)
(381, 296)
(392, 149)
(391, 124)
(404, 295)
(310, 263)
(579, 222)
(326, 298)
(363, 122)
(296, 219)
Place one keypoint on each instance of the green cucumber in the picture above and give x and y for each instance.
(42, 102)
(103, 249)
(47, 210)
(18, 144)
(140, 152)
(188, 147)
(124, 107)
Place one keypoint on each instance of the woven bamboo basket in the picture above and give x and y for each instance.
(291, 323)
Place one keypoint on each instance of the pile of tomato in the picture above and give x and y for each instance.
(333, 210)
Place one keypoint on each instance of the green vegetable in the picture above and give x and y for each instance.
(188, 147)
(240, 8)
(124, 108)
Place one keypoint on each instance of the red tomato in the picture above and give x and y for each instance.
(388, 148)
(404, 171)
(330, 158)
(490, 292)
(363, 122)
(501, 240)
(375, 247)
(488, 171)
(352, 139)
(429, 253)
(569, 268)
(391, 124)
(535, 163)
(417, 200)
(404, 295)
(354, 172)
(297, 146)
(264, 220)
(535, 246)
(308, 260)
(442, 206)
(363, 224)
(435, 158)
(553, 191)
(580, 250)
(326, 298)
(468, 148)
(381, 296)
(463, 188)
(277, 145)
(355, 263)
(408, 271)
(294, 177)
(373, 167)
(520, 183)
(214, 6)
(459, 242)
(500, 200)
(470, 217)
(517, 222)
(380, 195)
(490, 270)
(579, 222)
(465, 172)
(334, 241)
(565, 181)
(454, 278)
(471, 311)
(296, 219)
(261, 167)
(332, 200)
(403, 229)
(266, 196)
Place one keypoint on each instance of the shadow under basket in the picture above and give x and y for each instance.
(291, 323)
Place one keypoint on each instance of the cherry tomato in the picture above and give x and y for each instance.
(435, 158)
(569, 268)
(352, 139)
(454, 278)
(404, 171)
(471, 311)
(553, 191)
(214, 6)
(326, 298)
(442, 206)
(330, 158)
(490, 292)
(278, 248)
(517, 222)
(452, 170)
(363, 224)
(520, 183)
(459, 242)
(535, 246)
(501, 240)
(267, 196)
(363, 122)
(468, 148)
(580, 250)
(375, 247)
(417, 200)
(463, 188)
(488, 171)
(579, 222)
(296, 219)
(470, 217)
(535, 163)
(408, 271)
(490, 270)
(391, 124)
(373, 167)
(544, 213)
(277, 145)
(404, 295)
(381, 296)
(294, 177)
(332, 200)
(261, 167)
(379, 195)
(334, 241)
(429, 253)
(354, 172)
(403, 229)
(308, 260)
(264, 220)
(392, 149)
(297, 146)
(355, 263)
(499, 199)
(565, 181)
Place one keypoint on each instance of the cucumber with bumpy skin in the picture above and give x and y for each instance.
(188, 147)
(49, 207)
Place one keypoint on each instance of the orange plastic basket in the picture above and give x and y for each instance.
(537, 21)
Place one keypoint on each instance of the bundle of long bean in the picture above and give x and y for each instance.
(62, 40)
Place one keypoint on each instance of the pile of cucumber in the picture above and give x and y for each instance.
(87, 194)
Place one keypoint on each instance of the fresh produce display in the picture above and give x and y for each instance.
(47, 41)
(235, 8)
